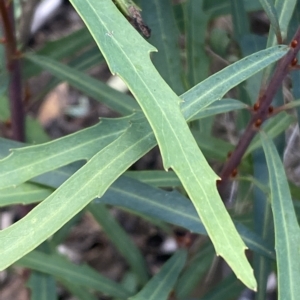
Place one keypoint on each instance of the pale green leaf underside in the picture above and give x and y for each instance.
(91, 181)
(287, 231)
(20, 166)
(141, 142)
(161, 108)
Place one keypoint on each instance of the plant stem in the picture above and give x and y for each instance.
(261, 113)
(14, 70)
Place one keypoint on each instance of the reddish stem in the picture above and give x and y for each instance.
(260, 111)
(14, 69)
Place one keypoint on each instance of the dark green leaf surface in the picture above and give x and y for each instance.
(59, 267)
(271, 12)
(80, 292)
(240, 19)
(92, 87)
(194, 272)
(158, 15)
(160, 285)
(227, 289)
(59, 49)
(121, 240)
(217, 7)
(42, 286)
(170, 207)
(196, 22)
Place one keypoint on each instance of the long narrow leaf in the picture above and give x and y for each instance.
(159, 17)
(170, 207)
(42, 286)
(91, 181)
(195, 100)
(25, 193)
(141, 141)
(121, 240)
(115, 100)
(287, 231)
(82, 275)
(160, 286)
(196, 22)
(217, 85)
(271, 12)
(161, 108)
(20, 166)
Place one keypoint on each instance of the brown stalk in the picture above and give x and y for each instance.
(261, 111)
(14, 69)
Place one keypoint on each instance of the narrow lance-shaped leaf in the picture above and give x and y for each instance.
(121, 240)
(91, 181)
(160, 286)
(159, 17)
(271, 12)
(161, 108)
(49, 156)
(195, 100)
(284, 9)
(287, 231)
(59, 267)
(117, 101)
(42, 286)
(196, 21)
(141, 140)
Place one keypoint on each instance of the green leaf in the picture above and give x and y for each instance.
(155, 178)
(140, 141)
(26, 193)
(287, 231)
(216, 7)
(158, 15)
(160, 285)
(240, 19)
(227, 289)
(178, 148)
(220, 107)
(75, 193)
(84, 61)
(80, 292)
(42, 286)
(193, 273)
(217, 85)
(263, 221)
(92, 87)
(121, 240)
(285, 9)
(49, 156)
(170, 207)
(273, 127)
(195, 101)
(59, 267)
(271, 12)
(64, 47)
(196, 22)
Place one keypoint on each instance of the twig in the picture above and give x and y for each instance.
(14, 69)
(261, 111)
